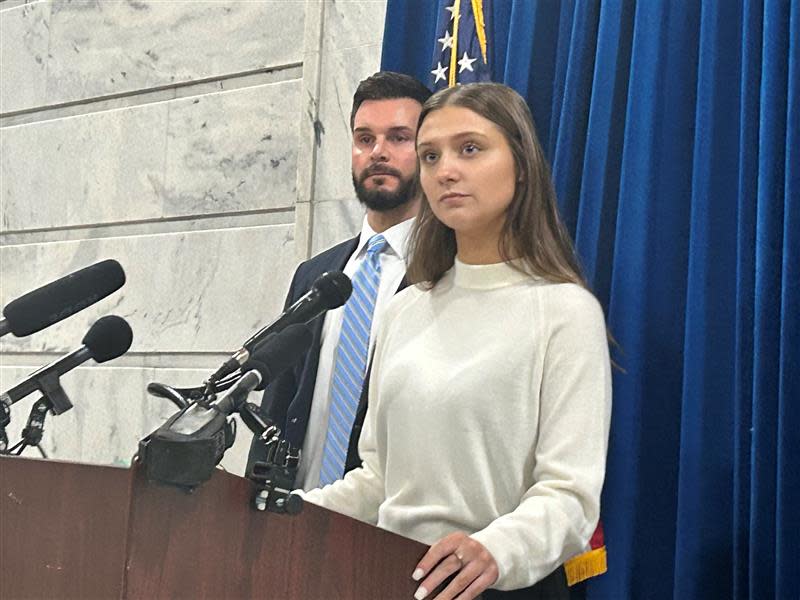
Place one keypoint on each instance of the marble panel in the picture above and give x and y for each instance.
(204, 291)
(224, 152)
(335, 221)
(353, 23)
(24, 36)
(97, 168)
(111, 412)
(342, 72)
(99, 48)
(232, 151)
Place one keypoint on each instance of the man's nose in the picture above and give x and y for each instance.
(379, 152)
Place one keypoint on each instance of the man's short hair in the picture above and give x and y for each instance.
(386, 85)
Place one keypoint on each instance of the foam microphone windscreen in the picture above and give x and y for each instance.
(108, 338)
(335, 288)
(279, 352)
(63, 298)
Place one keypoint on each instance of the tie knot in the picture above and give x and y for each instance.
(376, 244)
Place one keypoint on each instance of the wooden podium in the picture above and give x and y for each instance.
(82, 531)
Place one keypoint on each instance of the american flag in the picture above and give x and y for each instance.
(460, 55)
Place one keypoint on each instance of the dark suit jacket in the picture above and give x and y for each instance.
(287, 400)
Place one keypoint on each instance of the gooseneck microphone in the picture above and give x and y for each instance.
(330, 290)
(185, 449)
(108, 338)
(62, 298)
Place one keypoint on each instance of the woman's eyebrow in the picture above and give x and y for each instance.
(458, 136)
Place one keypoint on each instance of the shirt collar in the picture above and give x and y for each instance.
(396, 237)
(488, 277)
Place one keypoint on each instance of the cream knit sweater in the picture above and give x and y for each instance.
(490, 400)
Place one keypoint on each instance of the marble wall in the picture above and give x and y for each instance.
(203, 145)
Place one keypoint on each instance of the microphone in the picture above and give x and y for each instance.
(108, 338)
(185, 449)
(62, 298)
(330, 290)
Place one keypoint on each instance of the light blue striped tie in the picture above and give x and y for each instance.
(351, 361)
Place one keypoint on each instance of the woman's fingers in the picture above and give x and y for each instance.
(436, 553)
(442, 571)
(470, 572)
(474, 567)
(478, 586)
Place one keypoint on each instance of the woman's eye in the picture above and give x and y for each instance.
(470, 149)
(428, 157)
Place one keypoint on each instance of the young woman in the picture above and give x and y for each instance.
(490, 392)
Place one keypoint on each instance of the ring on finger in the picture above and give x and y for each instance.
(460, 558)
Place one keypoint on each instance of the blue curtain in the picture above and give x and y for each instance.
(673, 130)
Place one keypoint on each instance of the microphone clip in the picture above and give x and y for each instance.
(50, 386)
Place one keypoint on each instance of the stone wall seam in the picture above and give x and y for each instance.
(145, 96)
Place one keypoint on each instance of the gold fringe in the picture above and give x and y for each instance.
(480, 27)
(582, 567)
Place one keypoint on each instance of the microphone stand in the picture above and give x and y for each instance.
(5, 421)
(33, 431)
(54, 399)
(274, 477)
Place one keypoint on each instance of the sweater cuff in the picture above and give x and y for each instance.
(503, 553)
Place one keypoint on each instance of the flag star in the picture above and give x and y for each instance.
(452, 9)
(439, 72)
(447, 41)
(465, 64)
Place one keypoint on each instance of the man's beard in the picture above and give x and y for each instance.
(382, 200)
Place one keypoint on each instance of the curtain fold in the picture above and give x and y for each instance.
(599, 186)
(768, 261)
(787, 514)
(705, 461)
(673, 131)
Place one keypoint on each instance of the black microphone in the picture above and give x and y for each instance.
(108, 338)
(62, 298)
(185, 449)
(330, 290)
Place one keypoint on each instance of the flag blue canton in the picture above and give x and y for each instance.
(461, 51)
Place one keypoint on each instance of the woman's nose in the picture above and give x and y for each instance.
(446, 169)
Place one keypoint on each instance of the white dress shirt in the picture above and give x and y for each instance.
(393, 269)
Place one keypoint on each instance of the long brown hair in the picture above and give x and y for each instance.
(533, 230)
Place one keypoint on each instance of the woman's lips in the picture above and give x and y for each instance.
(451, 197)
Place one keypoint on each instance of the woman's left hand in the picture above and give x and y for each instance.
(457, 553)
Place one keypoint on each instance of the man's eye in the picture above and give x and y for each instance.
(399, 138)
(365, 139)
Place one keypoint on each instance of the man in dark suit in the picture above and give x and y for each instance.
(386, 108)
